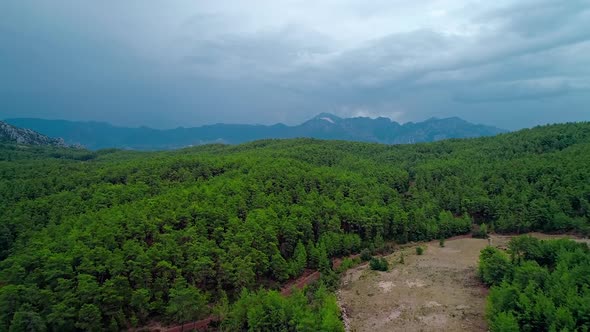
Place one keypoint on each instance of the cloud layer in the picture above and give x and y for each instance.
(184, 62)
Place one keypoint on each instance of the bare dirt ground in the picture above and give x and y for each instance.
(437, 291)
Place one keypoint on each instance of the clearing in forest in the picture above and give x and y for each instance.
(437, 291)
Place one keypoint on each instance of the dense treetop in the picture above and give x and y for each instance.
(538, 285)
(111, 239)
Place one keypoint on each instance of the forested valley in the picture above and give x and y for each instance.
(112, 239)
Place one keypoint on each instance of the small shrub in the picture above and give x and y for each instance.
(389, 248)
(366, 255)
(401, 259)
(379, 264)
(419, 250)
(331, 280)
(348, 263)
(481, 232)
(441, 242)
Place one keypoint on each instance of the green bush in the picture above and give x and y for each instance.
(379, 264)
(481, 232)
(505, 322)
(348, 263)
(366, 255)
(419, 250)
(441, 242)
(493, 266)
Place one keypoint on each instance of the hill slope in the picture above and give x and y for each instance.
(112, 239)
(12, 134)
(96, 135)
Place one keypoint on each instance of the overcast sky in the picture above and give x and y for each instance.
(169, 63)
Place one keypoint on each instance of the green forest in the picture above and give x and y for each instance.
(538, 285)
(113, 239)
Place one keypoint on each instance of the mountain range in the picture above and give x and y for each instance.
(99, 135)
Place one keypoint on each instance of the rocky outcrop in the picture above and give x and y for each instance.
(12, 134)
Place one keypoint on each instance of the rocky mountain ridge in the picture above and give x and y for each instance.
(12, 134)
(97, 135)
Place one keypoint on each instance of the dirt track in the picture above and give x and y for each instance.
(308, 277)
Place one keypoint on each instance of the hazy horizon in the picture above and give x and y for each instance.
(181, 63)
(236, 123)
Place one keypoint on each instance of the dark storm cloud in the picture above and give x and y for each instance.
(187, 62)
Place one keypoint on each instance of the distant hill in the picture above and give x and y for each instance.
(97, 135)
(12, 134)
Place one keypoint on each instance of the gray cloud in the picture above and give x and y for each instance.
(186, 62)
(515, 90)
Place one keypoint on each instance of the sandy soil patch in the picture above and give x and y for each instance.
(437, 291)
(386, 286)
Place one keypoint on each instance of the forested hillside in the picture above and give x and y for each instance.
(114, 239)
(539, 286)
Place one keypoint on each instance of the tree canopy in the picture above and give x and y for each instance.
(540, 286)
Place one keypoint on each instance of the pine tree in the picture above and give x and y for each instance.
(324, 262)
(279, 267)
(299, 259)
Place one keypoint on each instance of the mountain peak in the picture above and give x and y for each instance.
(331, 118)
